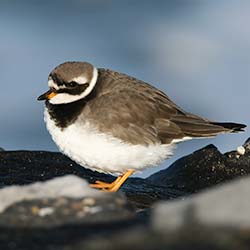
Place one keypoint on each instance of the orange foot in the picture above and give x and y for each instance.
(113, 186)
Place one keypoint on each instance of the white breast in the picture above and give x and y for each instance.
(102, 152)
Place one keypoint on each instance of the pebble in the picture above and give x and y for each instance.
(45, 211)
(241, 150)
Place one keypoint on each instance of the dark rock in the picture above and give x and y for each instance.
(196, 237)
(40, 214)
(25, 167)
(212, 217)
(48, 213)
(202, 169)
(60, 219)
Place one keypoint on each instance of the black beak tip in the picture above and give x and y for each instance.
(44, 96)
(41, 98)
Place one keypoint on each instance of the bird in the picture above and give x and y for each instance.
(116, 124)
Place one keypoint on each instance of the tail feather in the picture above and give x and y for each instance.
(197, 127)
(205, 128)
(232, 127)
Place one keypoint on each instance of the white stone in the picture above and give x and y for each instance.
(69, 186)
(227, 205)
(45, 211)
(241, 150)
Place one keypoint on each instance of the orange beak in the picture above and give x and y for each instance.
(48, 95)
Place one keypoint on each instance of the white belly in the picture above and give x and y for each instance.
(102, 152)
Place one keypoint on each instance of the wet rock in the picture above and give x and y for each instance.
(204, 168)
(196, 237)
(190, 174)
(66, 214)
(25, 167)
(217, 218)
(62, 199)
(59, 212)
(51, 213)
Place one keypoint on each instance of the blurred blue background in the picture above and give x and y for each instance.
(198, 52)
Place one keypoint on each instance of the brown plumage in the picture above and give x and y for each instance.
(138, 113)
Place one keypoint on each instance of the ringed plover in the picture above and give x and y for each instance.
(114, 123)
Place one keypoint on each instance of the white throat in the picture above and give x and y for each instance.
(63, 98)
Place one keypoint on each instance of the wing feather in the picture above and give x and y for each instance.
(135, 111)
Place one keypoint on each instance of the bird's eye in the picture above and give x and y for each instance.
(71, 84)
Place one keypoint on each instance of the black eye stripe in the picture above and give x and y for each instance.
(74, 91)
(72, 88)
(72, 84)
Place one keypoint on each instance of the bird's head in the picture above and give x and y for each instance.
(70, 82)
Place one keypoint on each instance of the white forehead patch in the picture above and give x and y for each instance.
(63, 98)
(52, 84)
(80, 79)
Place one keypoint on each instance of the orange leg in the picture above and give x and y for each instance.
(102, 185)
(115, 185)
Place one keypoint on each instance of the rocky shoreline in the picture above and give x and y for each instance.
(200, 202)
